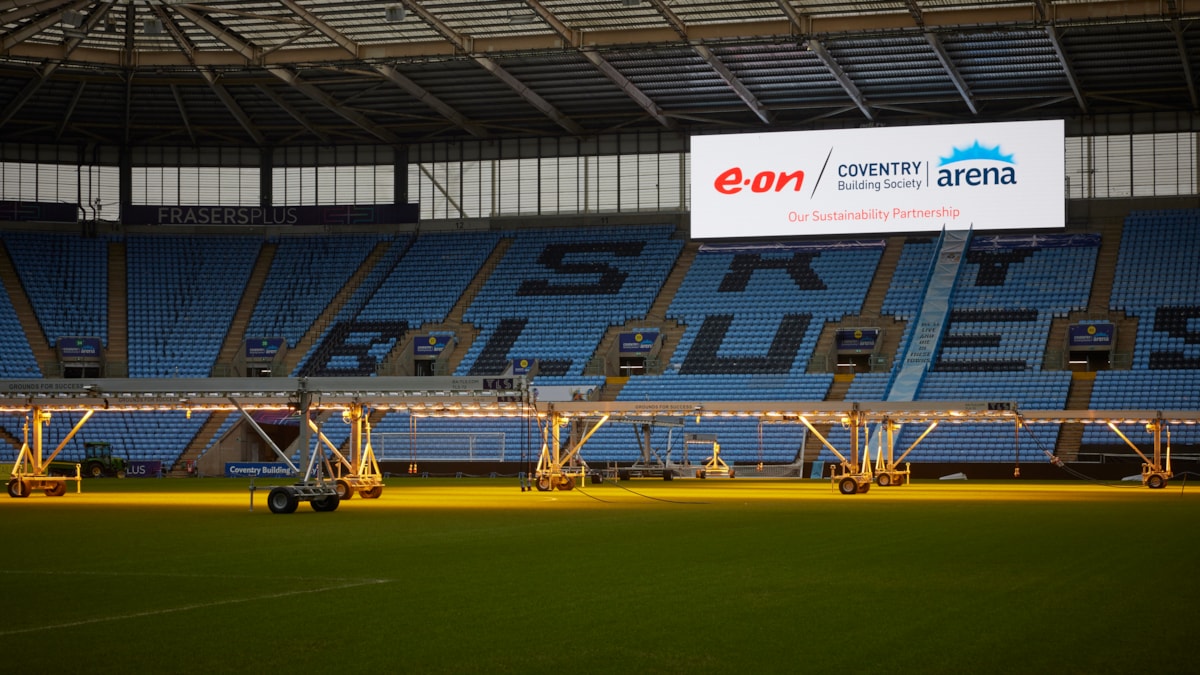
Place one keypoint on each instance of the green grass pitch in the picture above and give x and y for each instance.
(717, 576)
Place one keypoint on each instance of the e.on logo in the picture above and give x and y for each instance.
(731, 181)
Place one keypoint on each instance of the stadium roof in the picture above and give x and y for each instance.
(339, 72)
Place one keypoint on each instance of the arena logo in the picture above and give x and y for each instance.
(976, 166)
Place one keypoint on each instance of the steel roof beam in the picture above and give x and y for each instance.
(717, 65)
(829, 27)
(947, 65)
(232, 106)
(943, 57)
(390, 73)
(36, 26)
(19, 11)
(802, 25)
(1186, 62)
(735, 84)
(70, 109)
(213, 80)
(1068, 70)
(851, 89)
(423, 95)
(355, 118)
(183, 113)
(466, 45)
(253, 55)
(34, 84)
(607, 69)
(295, 114)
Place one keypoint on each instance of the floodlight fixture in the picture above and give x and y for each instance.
(72, 19)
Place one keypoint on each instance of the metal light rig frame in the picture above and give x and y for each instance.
(474, 397)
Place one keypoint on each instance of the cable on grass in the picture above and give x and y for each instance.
(1063, 465)
(657, 499)
(592, 496)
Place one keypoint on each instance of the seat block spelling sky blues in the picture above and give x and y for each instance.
(329, 347)
(556, 292)
(753, 316)
(1157, 280)
(1010, 289)
(977, 442)
(305, 276)
(66, 280)
(421, 287)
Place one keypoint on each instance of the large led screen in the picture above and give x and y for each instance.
(1006, 175)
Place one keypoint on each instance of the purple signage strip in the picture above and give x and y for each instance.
(353, 214)
(55, 212)
(144, 468)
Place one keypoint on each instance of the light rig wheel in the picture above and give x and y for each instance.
(883, 480)
(372, 492)
(1156, 481)
(56, 490)
(282, 500)
(325, 504)
(18, 489)
(848, 486)
(344, 491)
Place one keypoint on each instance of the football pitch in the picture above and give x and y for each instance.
(643, 576)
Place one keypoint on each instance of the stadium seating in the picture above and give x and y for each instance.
(183, 292)
(753, 317)
(305, 275)
(156, 435)
(555, 293)
(317, 360)
(16, 357)
(66, 280)
(1009, 291)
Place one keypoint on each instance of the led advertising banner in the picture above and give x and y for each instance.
(857, 339)
(263, 348)
(79, 348)
(1007, 175)
(430, 345)
(636, 343)
(1092, 336)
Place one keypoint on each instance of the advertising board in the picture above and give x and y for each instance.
(1005, 175)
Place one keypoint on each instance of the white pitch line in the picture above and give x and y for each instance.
(188, 608)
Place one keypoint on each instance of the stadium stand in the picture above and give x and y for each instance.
(752, 317)
(330, 345)
(183, 291)
(556, 292)
(66, 280)
(16, 357)
(1156, 280)
(305, 275)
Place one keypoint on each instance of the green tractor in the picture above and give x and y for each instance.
(98, 461)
